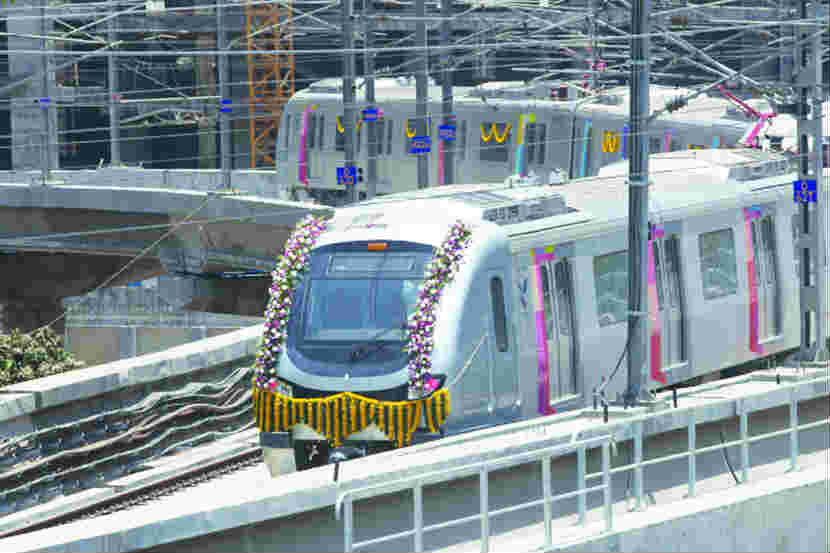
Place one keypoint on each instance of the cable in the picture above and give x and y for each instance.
(726, 456)
(133, 260)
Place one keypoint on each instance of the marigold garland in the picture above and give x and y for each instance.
(439, 273)
(287, 274)
(340, 127)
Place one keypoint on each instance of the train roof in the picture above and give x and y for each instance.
(613, 101)
(679, 181)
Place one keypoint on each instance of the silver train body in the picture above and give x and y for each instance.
(542, 290)
(571, 136)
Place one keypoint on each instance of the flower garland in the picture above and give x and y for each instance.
(494, 133)
(439, 273)
(287, 275)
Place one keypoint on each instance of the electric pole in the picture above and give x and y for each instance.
(421, 92)
(348, 122)
(46, 105)
(638, 180)
(112, 77)
(447, 146)
(371, 122)
(807, 80)
(224, 96)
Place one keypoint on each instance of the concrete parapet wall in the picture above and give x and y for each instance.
(69, 396)
(788, 513)
(253, 182)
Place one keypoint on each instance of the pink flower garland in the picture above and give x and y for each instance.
(290, 268)
(439, 273)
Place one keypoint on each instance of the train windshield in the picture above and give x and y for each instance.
(354, 297)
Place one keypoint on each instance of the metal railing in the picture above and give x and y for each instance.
(416, 483)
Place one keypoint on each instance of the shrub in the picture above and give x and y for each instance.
(24, 357)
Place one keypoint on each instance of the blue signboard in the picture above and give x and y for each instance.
(44, 102)
(134, 284)
(804, 191)
(370, 114)
(346, 176)
(420, 145)
(446, 132)
(226, 106)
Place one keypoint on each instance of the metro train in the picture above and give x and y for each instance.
(572, 136)
(535, 317)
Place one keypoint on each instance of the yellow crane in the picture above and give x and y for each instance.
(270, 75)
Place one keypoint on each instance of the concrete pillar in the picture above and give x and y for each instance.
(206, 86)
(26, 117)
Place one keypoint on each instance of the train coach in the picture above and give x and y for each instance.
(546, 126)
(523, 311)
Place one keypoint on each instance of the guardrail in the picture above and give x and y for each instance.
(416, 483)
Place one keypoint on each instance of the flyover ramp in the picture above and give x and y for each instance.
(249, 511)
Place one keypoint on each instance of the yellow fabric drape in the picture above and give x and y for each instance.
(338, 416)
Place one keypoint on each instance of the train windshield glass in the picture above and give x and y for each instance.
(354, 297)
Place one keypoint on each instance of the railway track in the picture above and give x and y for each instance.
(64, 459)
(148, 492)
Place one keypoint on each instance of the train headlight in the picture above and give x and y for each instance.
(285, 389)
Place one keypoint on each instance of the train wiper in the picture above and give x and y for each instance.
(373, 345)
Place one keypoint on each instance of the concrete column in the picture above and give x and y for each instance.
(26, 117)
(206, 83)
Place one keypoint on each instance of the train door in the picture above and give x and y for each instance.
(557, 293)
(495, 140)
(766, 275)
(665, 250)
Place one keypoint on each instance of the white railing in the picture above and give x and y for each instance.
(417, 483)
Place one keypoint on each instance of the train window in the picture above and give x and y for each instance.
(321, 131)
(536, 136)
(310, 128)
(611, 281)
(494, 145)
(499, 316)
(675, 145)
(379, 134)
(287, 130)
(547, 301)
(658, 270)
(717, 263)
(655, 145)
(389, 124)
(461, 140)
(339, 136)
(672, 265)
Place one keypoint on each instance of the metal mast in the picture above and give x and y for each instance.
(811, 240)
(46, 106)
(421, 91)
(114, 99)
(348, 121)
(224, 109)
(447, 146)
(371, 123)
(638, 180)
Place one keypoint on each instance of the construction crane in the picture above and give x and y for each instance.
(270, 75)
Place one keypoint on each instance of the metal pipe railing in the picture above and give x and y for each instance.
(416, 483)
(482, 469)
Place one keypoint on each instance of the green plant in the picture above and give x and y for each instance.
(27, 356)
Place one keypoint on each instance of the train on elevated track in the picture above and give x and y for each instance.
(568, 133)
(535, 318)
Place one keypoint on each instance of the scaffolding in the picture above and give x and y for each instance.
(270, 76)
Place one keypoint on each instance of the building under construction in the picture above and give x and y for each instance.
(133, 62)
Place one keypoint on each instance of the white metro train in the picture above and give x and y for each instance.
(545, 281)
(571, 136)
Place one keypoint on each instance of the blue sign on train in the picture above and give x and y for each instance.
(420, 145)
(44, 102)
(446, 132)
(346, 176)
(370, 114)
(226, 106)
(804, 191)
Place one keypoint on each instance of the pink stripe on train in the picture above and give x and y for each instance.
(749, 215)
(654, 310)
